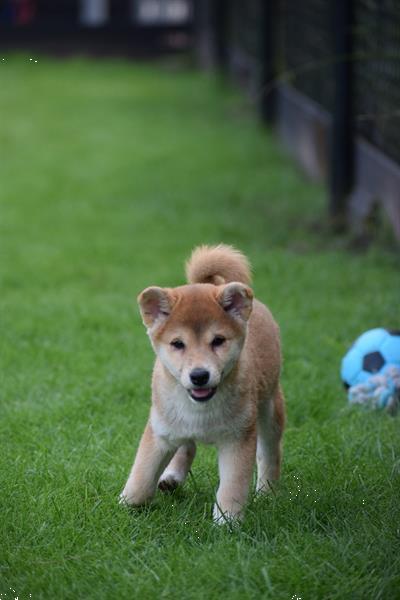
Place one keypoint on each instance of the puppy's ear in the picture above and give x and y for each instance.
(237, 300)
(155, 304)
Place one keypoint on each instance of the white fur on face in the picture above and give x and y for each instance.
(166, 355)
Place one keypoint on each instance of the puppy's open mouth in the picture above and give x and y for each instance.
(202, 394)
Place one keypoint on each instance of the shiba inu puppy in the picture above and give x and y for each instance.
(215, 380)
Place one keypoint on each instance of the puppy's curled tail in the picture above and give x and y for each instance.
(217, 264)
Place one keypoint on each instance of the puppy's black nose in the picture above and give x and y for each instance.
(199, 376)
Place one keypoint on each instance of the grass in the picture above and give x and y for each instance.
(110, 173)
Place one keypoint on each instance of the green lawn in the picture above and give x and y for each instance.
(110, 173)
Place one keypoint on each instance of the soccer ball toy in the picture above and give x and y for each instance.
(373, 353)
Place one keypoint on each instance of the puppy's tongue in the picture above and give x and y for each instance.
(201, 392)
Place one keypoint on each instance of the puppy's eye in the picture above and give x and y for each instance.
(178, 344)
(217, 341)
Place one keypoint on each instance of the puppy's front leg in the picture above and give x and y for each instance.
(236, 462)
(151, 458)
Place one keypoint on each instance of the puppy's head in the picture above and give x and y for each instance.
(197, 331)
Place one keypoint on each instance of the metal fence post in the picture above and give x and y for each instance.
(342, 134)
(268, 58)
(221, 33)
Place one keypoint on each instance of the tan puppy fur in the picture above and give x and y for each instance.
(215, 380)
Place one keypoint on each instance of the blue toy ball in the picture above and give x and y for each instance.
(372, 353)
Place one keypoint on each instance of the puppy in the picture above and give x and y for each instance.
(215, 380)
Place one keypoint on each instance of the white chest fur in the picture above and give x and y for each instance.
(179, 418)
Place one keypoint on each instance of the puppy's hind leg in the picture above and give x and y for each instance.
(270, 425)
(177, 470)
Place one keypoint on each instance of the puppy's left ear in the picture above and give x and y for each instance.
(237, 300)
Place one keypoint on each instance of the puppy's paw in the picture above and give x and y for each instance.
(123, 500)
(266, 486)
(225, 518)
(134, 498)
(168, 482)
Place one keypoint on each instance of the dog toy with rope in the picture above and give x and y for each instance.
(378, 391)
(370, 369)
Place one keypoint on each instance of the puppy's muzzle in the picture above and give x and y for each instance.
(200, 378)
